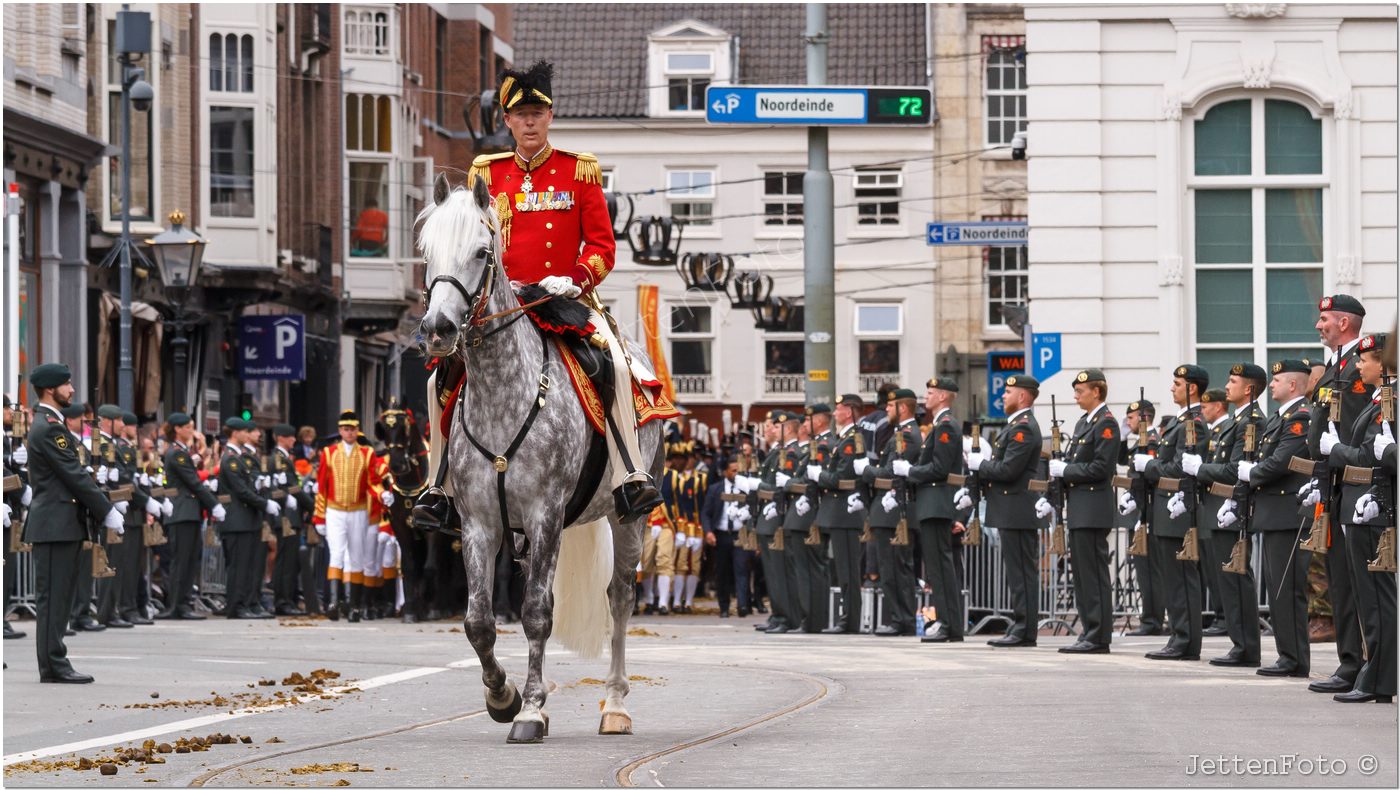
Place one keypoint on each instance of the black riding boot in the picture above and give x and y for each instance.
(635, 498)
(434, 506)
(356, 595)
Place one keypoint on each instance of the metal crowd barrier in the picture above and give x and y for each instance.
(213, 574)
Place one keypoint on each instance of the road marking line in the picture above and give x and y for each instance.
(226, 661)
(202, 721)
(105, 658)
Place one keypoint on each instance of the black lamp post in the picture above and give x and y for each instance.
(178, 253)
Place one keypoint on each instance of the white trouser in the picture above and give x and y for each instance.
(345, 538)
(373, 552)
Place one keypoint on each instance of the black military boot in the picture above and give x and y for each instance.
(432, 510)
(356, 594)
(635, 499)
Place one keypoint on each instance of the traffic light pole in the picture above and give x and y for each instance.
(818, 228)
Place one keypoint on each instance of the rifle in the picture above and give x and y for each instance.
(1384, 561)
(901, 493)
(1322, 474)
(1055, 486)
(1190, 545)
(814, 535)
(973, 534)
(780, 499)
(1239, 557)
(1142, 492)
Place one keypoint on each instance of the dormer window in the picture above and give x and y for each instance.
(684, 59)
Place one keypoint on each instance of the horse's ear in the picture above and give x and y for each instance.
(481, 193)
(441, 189)
(379, 432)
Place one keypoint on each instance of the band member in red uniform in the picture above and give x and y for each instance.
(350, 489)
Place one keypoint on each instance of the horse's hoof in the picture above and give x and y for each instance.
(527, 731)
(545, 716)
(509, 711)
(615, 724)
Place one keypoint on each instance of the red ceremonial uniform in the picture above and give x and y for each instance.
(351, 481)
(555, 223)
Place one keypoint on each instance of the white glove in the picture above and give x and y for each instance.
(860, 464)
(114, 474)
(561, 286)
(153, 507)
(20, 456)
(741, 514)
(113, 520)
(101, 475)
(291, 503)
(731, 510)
(387, 498)
(1383, 440)
(655, 531)
(1176, 506)
(88, 470)
(900, 467)
(1308, 494)
(1329, 439)
(321, 530)
(264, 481)
(1191, 463)
(1245, 468)
(144, 479)
(383, 537)
(273, 509)
(121, 507)
(680, 540)
(962, 499)
(27, 496)
(854, 504)
(1140, 461)
(813, 472)
(213, 484)
(889, 501)
(1225, 516)
(741, 482)
(803, 506)
(1043, 508)
(281, 478)
(693, 543)
(770, 510)
(315, 487)
(975, 461)
(166, 508)
(1126, 504)
(783, 479)
(218, 513)
(967, 445)
(7, 515)
(1057, 467)
(1366, 509)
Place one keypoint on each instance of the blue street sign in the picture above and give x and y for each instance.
(1045, 354)
(1001, 365)
(977, 234)
(272, 347)
(818, 105)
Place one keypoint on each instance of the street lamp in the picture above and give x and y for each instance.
(178, 253)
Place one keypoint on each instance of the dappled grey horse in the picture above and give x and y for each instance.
(509, 367)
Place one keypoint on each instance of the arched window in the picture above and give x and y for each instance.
(1257, 191)
(230, 63)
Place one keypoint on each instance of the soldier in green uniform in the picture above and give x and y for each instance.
(117, 606)
(80, 618)
(1239, 600)
(1182, 579)
(1276, 516)
(934, 510)
(242, 528)
(291, 525)
(191, 498)
(769, 523)
(891, 504)
(1087, 470)
(809, 571)
(57, 525)
(1215, 413)
(1151, 591)
(1011, 506)
(841, 508)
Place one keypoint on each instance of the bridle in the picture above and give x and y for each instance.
(413, 459)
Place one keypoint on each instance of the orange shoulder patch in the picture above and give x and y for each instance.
(1020, 436)
(850, 449)
(1296, 429)
(1108, 433)
(944, 437)
(1358, 386)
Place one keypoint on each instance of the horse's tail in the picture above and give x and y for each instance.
(582, 620)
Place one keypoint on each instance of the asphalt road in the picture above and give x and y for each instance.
(714, 704)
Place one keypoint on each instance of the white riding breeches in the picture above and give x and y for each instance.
(346, 535)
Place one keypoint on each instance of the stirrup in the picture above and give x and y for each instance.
(432, 509)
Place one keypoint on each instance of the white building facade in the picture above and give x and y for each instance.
(1200, 176)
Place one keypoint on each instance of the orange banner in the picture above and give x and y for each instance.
(648, 304)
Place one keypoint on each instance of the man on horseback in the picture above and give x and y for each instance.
(555, 232)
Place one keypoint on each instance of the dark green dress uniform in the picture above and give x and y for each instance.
(1239, 598)
(841, 528)
(1276, 516)
(191, 498)
(263, 486)
(57, 527)
(766, 529)
(1011, 509)
(1091, 458)
(80, 615)
(241, 532)
(1181, 578)
(117, 605)
(896, 563)
(933, 509)
(1150, 591)
(808, 571)
(289, 530)
(1341, 376)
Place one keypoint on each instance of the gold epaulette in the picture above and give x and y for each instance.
(586, 167)
(481, 168)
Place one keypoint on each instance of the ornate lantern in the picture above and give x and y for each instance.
(655, 241)
(706, 271)
(614, 211)
(749, 290)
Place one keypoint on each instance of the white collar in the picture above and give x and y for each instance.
(1221, 419)
(841, 433)
(1180, 412)
(235, 446)
(1344, 349)
(1284, 407)
(940, 413)
(56, 412)
(1016, 414)
(349, 448)
(284, 452)
(1096, 410)
(906, 422)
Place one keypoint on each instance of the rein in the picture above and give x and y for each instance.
(502, 462)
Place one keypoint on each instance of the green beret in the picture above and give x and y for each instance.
(130, 418)
(1141, 405)
(283, 429)
(818, 408)
(49, 375)
(1251, 371)
(1023, 381)
(1213, 396)
(852, 400)
(902, 393)
(238, 424)
(109, 412)
(178, 418)
(1291, 366)
(1090, 374)
(944, 383)
(1341, 303)
(74, 411)
(1374, 342)
(1194, 374)
(782, 416)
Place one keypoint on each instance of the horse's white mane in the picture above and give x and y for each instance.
(449, 227)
